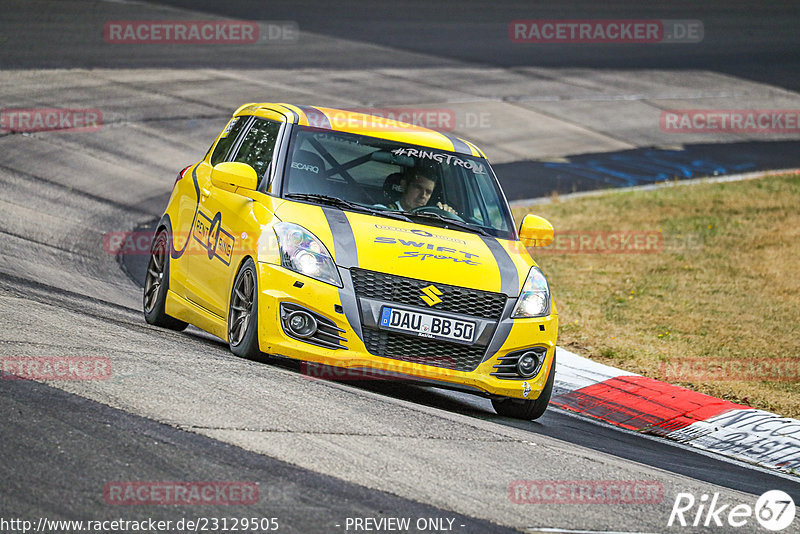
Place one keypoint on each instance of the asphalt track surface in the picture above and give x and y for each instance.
(742, 38)
(180, 406)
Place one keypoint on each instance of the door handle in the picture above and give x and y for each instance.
(204, 193)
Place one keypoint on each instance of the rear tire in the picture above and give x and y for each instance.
(243, 313)
(156, 285)
(527, 409)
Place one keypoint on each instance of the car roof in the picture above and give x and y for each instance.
(355, 122)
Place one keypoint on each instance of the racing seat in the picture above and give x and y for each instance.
(392, 190)
(307, 172)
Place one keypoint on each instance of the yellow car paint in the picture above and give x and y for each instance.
(216, 227)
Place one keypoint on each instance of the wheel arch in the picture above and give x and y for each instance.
(165, 223)
(235, 273)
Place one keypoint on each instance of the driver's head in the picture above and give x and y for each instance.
(417, 189)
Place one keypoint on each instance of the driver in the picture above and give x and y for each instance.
(417, 189)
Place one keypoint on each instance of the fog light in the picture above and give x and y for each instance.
(301, 324)
(528, 364)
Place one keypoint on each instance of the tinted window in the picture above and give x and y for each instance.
(376, 172)
(229, 135)
(258, 145)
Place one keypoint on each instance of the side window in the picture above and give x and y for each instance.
(258, 145)
(490, 211)
(229, 135)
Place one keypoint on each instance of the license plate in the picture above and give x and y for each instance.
(425, 325)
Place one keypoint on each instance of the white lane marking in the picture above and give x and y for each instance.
(533, 530)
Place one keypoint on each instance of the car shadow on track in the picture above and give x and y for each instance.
(406, 390)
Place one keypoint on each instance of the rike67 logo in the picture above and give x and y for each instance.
(774, 511)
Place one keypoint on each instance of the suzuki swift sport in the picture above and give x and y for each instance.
(351, 241)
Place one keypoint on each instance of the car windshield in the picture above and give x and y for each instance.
(425, 185)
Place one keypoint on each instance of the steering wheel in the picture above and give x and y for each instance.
(438, 210)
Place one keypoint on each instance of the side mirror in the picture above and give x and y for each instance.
(535, 231)
(233, 173)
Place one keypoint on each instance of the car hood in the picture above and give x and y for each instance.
(413, 250)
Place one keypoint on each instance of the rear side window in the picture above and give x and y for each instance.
(229, 135)
(258, 145)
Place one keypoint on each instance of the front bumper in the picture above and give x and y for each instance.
(352, 318)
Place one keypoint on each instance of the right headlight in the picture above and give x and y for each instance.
(534, 299)
(302, 252)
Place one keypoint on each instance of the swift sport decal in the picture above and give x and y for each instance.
(421, 233)
(437, 252)
(209, 233)
(424, 256)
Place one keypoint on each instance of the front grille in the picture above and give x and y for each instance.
(423, 351)
(380, 286)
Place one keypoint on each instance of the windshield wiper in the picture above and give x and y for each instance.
(453, 222)
(342, 203)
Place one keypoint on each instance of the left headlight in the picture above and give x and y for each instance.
(534, 299)
(302, 252)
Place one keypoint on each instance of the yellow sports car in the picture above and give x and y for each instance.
(350, 240)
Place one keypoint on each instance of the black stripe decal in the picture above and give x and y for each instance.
(315, 117)
(346, 255)
(458, 145)
(347, 296)
(344, 242)
(503, 330)
(509, 284)
(509, 277)
(293, 112)
(175, 254)
(474, 149)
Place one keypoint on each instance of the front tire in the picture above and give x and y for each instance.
(243, 313)
(156, 285)
(528, 409)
